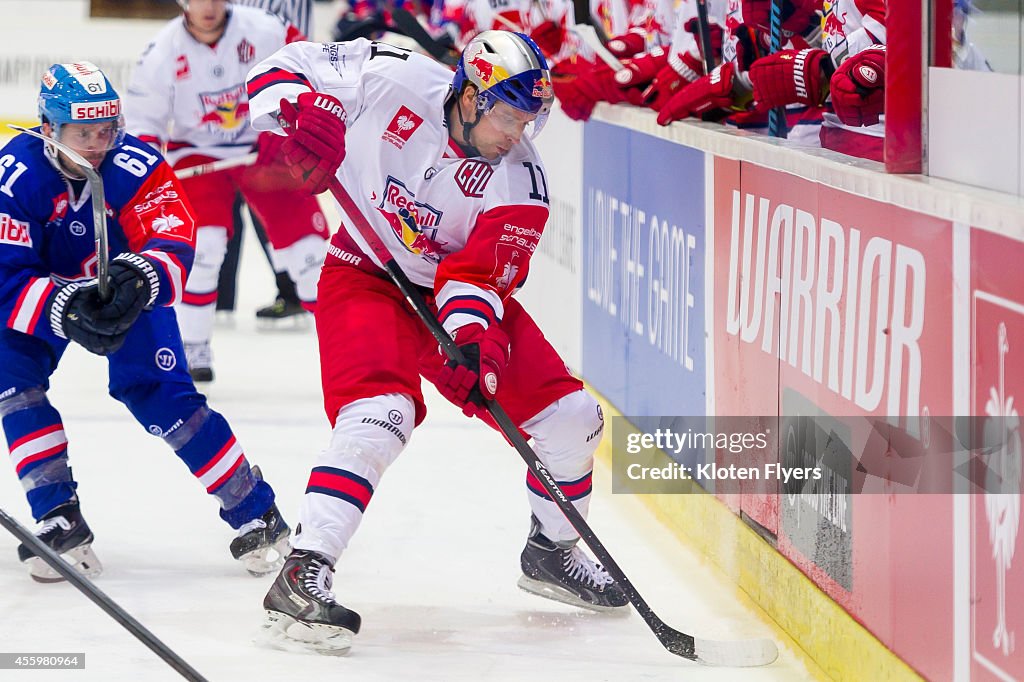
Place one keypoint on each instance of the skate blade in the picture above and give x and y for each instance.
(292, 323)
(560, 594)
(282, 632)
(82, 559)
(264, 560)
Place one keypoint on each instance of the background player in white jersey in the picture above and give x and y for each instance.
(446, 174)
(49, 297)
(298, 13)
(188, 94)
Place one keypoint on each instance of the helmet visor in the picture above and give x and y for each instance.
(91, 138)
(515, 122)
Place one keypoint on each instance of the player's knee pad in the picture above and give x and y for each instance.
(303, 261)
(22, 400)
(369, 434)
(211, 245)
(566, 433)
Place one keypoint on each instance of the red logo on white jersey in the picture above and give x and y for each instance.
(246, 51)
(181, 70)
(472, 177)
(402, 126)
(14, 231)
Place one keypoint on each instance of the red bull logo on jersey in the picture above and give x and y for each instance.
(226, 110)
(415, 224)
(833, 28)
(91, 111)
(14, 232)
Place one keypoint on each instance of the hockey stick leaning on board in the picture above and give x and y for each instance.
(99, 213)
(746, 653)
(85, 586)
(214, 166)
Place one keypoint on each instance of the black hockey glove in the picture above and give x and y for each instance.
(134, 285)
(69, 308)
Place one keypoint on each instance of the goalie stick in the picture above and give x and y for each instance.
(745, 653)
(85, 586)
(99, 214)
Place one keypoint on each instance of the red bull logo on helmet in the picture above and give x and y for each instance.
(542, 89)
(92, 111)
(484, 69)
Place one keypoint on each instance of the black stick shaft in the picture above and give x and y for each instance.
(85, 586)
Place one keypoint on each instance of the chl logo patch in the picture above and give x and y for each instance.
(472, 177)
(402, 126)
(165, 359)
(245, 51)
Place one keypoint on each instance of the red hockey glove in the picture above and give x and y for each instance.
(858, 87)
(268, 149)
(549, 37)
(714, 31)
(601, 83)
(626, 45)
(675, 74)
(790, 77)
(316, 138)
(486, 352)
(713, 91)
(565, 80)
(797, 15)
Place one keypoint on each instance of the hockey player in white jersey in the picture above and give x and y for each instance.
(188, 95)
(446, 174)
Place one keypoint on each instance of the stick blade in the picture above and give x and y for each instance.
(748, 653)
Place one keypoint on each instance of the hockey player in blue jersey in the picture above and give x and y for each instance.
(49, 297)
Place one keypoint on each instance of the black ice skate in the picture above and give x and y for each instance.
(302, 612)
(563, 572)
(66, 533)
(200, 361)
(282, 314)
(262, 544)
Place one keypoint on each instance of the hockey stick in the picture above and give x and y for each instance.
(704, 34)
(708, 652)
(85, 586)
(214, 166)
(777, 115)
(99, 203)
(410, 26)
(589, 36)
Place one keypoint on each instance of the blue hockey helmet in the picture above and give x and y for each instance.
(80, 93)
(507, 67)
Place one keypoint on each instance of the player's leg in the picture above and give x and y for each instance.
(294, 223)
(149, 376)
(39, 453)
(212, 196)
(227, 278)
(565, 422)
(368, 347)
(286, 306)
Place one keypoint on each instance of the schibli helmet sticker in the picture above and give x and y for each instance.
(80, 93)
(506, 67)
